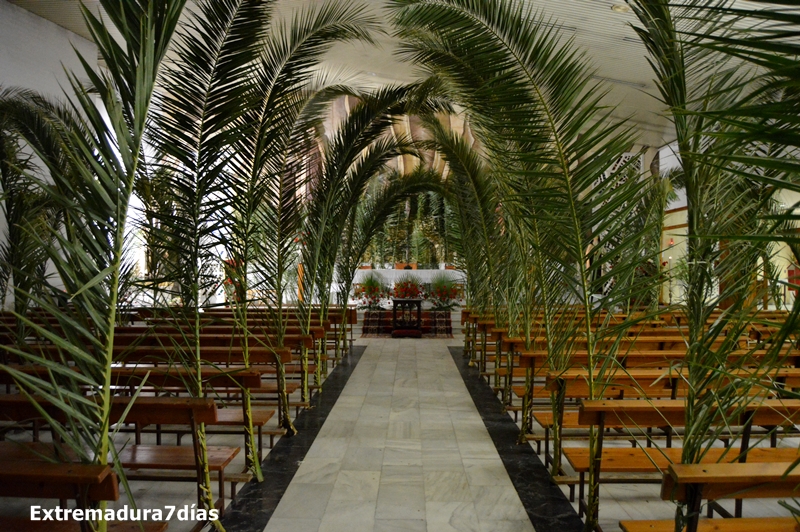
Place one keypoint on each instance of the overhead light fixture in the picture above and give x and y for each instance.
(620, 8)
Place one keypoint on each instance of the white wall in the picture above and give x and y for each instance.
(35, 51)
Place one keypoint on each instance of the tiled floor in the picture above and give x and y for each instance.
(404, 448)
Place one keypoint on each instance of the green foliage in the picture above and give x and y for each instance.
(352, 157)
(475, 201)
(371, 215)
(549, 146)
(538, 211)
(371, 291)
(92, 154)
(443, 293)
(731, 168)
(153, 189)
(416, 232)
(203, 92)
(29, 215)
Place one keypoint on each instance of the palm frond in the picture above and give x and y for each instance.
(92, 153)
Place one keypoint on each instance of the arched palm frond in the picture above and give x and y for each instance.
(360, 149)
(91, 152)
(365, 223)
(275, 152)
(529, 97)
(698, 52)
(477, 202)
(204, 91)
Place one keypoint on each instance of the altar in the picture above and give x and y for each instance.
(406, 318)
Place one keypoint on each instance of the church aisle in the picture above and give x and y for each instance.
(404, 448)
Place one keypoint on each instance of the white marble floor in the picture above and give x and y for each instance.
(403, 449)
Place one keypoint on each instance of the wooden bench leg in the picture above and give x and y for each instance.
(260, 443)
(715, 506)
(668, 431)
(693, 503)
(222, 491)
(546, 447)
(482, 362)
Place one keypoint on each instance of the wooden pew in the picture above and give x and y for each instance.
(260, 319)
(84, 483)
(24, 474)
(536, 362)
(150, 411)
(154, 458)
(652, 349)
(217, 380)
(625, 345)
(649, 383)
(693, 483)
(260, 357)
(631, 414)
(573, 384)
(223, 340)
(173, 379)
(165, 353)
(658, 383)
(304, 346)
(263, 359)
(637, 383)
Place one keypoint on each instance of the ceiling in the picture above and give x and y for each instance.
(605, 34)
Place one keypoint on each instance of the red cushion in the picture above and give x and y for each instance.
(406, 333)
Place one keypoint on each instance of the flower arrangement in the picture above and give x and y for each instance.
(231, 285)
(370, 292)
(443, 293)
(408, 287)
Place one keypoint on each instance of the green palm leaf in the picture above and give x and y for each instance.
(529, 97)
(91, 159)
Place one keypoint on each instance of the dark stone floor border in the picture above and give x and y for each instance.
(547, 506)
(256, 502)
